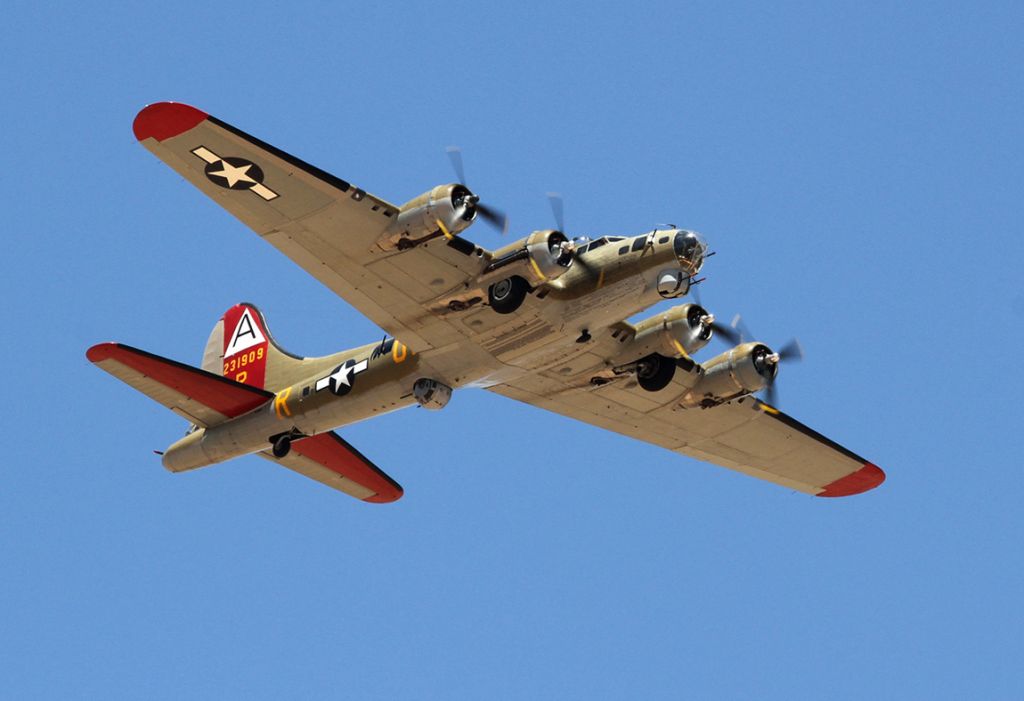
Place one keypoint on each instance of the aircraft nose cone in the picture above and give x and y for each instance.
(689, 248)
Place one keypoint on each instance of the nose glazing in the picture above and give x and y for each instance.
(689, 248)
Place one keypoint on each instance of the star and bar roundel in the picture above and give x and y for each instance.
(234, 173)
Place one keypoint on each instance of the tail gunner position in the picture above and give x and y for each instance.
(541, 320)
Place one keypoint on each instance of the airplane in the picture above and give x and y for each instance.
(541, 320)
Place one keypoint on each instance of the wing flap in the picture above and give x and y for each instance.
(200, 396)
(331, 460)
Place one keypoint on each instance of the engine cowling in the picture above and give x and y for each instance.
(540, 257)
(745, 369)
(682, 330)
(446, 208)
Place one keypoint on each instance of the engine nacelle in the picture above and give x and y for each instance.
(745, 369)
(445, 209)
(540, 257)
(682, 330)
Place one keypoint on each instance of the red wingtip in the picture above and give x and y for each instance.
(867, 477)
(386, 496)
(101, 351)
(162, 120)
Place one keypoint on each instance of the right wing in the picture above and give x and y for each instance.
(323, 223)
(330, 459)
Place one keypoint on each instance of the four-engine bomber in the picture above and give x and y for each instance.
(541, 320)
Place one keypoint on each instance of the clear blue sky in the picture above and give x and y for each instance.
(857, 167)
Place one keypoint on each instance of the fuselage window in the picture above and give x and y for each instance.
(663, 239)
(624, 249)
(639, 242)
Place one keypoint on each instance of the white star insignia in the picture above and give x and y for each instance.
(230, 175)
(234, 174)
(341, 377)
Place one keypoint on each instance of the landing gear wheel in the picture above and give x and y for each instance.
(282, 446)
(654, 372)
(506, 295)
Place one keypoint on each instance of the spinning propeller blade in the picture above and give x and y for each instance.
(789, 353)
(741, 328)
(558, 209)
(494, 217)
(792, 351)
(455, 156)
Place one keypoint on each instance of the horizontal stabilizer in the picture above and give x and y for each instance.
(329, 459)
(199, 396)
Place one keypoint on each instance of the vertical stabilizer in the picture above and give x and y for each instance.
(240, 347)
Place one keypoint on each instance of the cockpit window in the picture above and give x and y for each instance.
(596, 243)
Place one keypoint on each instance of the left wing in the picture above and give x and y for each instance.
(746, 435)
(330, 459)
(325, 224)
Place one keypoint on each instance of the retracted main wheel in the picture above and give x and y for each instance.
(505, 296)
(282, 445)
(654, 372)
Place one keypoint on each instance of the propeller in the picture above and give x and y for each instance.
(737, 332)
(741, 328)
(727, 333)
(494, 217)
(558, 210)
(455, 156)
(788, 353)
(791, 352)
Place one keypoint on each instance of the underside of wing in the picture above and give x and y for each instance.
(330, 460)
(746, 435)
(329, 227)
(200, 397)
